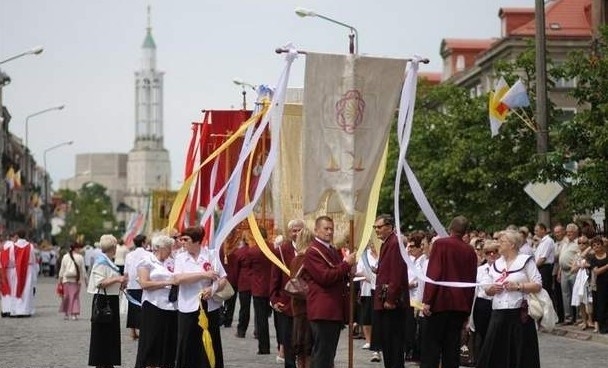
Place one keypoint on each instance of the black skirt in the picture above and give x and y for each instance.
(190, 351)
(134, 311)
(510, 343)
(365, 311)
(157, 337)
(104, 347)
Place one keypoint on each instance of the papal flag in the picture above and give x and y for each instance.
(497, 110)
(349, 104)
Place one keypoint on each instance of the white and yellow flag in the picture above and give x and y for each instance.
(349, 105)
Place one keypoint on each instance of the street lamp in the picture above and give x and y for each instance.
(27, 119)
(47, 196)
(33, 51)
(243, 84)
(542, 138)
(353, 47)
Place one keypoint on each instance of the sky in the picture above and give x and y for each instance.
(92, 49)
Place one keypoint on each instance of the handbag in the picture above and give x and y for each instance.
(101, 313)
(296, 287)
(226, 293)
(59, 289)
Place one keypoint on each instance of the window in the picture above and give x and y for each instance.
(460, 64)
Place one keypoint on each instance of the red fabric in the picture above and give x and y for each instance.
(451, 259)
(327, 291)
(22, 260)
(278, 278)
(230, 264)
(4, 287)
(221, 124)
(392, 271)
(260, 273)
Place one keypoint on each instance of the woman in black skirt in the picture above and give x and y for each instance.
(511, 340)
(134, 290)
(104, 284)
(200, 274)
(158, 327)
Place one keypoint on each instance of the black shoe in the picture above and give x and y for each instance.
(240, 335)
(228, 325)
(7, 314)
(263, 353)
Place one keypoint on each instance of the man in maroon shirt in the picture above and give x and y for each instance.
(260, 290)
(391, 298)
(447, 308)
(281, 302)
(327, 276)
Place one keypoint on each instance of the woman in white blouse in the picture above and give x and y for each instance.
(158, 324)
(511, 340)
(200, 274)
(105, 282)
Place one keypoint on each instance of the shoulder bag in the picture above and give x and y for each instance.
(296, 287)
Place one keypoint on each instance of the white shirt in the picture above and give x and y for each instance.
(100, 272)
(568, 253)
(89, 256)
(369, 283)
(131, 261)
(188, 296)
(482, 272)
(546, 250)
(422, 263)
(526, 248)
(121, 253)
(511, 299)
(158, 272)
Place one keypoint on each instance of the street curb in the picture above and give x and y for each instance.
(577, 334)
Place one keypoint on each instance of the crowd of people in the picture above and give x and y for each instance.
(420, 302)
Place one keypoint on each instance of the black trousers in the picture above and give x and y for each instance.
(442, 339)
(261, 312)
(285, 332)
(229, 309)
(392, 325)
(558, 303)
(244, 312)
(412, 344)
(325, 337)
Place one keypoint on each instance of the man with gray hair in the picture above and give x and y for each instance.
(567, 255)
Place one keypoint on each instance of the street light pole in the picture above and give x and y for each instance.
(243, 84)
(47, 196)
(27, 119)
(353, 46)
(542, 138)
(33, 51)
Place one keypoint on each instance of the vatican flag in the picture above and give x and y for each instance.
(349, 105)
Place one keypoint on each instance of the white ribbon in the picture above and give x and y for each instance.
(273, 118)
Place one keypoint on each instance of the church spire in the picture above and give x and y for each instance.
(149, 40)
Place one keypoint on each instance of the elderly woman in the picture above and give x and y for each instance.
(134, 290)
(104, 284)
(511, 340)
(158, 328)
(200, 274)
(301, 339)
(71, 275)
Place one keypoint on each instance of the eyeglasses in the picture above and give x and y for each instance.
(379, 226)
(490, 253)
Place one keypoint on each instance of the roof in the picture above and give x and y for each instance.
(563, 18)
(460, 43)
(515, 11)
(431, 77)
(149, 41)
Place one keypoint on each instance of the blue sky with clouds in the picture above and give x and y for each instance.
(93, 48)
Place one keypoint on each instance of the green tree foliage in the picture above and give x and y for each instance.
(89, 214)
(462, 169)
(584, 139)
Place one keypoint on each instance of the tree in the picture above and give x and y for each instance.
(584, 139)
(462, 169)
(89, 214)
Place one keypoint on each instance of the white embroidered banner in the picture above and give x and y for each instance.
(349, 104)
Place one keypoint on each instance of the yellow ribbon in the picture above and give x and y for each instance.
(182, 194)
(203, 321)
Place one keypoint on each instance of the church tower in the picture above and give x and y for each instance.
(148, 164)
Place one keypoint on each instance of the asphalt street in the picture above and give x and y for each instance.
(48, 341)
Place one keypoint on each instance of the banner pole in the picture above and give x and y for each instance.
(351, 298)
